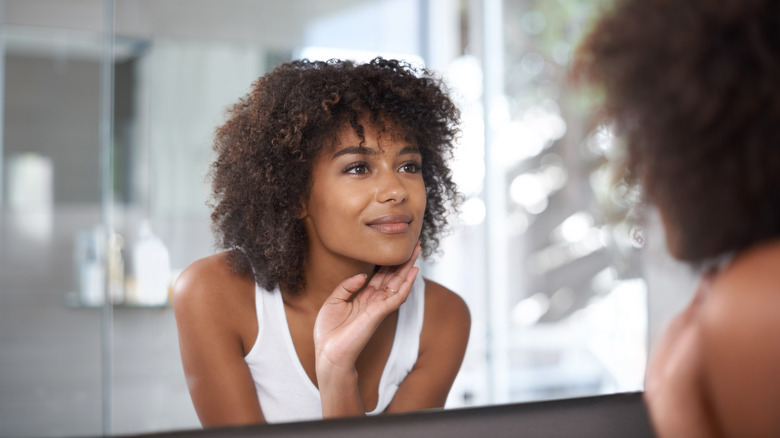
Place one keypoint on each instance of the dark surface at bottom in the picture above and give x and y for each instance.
(603, 416)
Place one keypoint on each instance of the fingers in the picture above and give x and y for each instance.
(386, 273)
(391, 279)
(398, 284)
(397, 289)
(404, 275)
(402, 285)
(349, 287)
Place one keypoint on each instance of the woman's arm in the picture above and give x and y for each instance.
(344, 325)
(443, 342)
(214, 311)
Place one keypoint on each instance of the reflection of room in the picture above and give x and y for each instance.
(176, 67)
(88, 247)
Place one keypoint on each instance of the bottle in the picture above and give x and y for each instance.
(90, 271)
(116, 268)
(152, 268)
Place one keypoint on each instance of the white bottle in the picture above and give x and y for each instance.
(152, 268)
(116, 268)
(90, 272)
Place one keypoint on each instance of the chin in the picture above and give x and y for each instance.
(389, 260)
(392, 257)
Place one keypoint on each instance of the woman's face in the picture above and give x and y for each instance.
(367, 201)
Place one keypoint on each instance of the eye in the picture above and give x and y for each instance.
(360, 168)
(411, 167)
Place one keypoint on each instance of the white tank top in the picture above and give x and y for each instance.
(284, 389)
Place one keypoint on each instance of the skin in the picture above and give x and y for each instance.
(365, 210)
(714, 371)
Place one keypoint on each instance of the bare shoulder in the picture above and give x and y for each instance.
(445, 308)
(207, 276)
(746, 294)
(739, 326)
(443, 342)
(217, 326)
(442, 298)
(210, 288)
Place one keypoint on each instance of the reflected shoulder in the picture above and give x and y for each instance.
(445, 306)
(210, 281)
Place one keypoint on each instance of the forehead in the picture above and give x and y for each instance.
(373, 135)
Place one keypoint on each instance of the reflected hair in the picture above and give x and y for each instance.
(692, 86)
(265, 150)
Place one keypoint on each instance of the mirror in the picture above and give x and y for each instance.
(106, 134)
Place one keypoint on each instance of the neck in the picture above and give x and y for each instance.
(323, 274)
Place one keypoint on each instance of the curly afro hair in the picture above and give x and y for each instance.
(694, 87)
(265, 152)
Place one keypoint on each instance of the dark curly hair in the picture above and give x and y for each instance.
(265, 151)
(693, 87)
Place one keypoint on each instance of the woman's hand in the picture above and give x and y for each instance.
(351, 314)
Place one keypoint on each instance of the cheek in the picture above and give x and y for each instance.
(336, 206)
(420, 204)
(422, 197)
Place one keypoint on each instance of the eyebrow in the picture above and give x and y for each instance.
(363, 150)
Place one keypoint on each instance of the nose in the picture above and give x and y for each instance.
(390, 188)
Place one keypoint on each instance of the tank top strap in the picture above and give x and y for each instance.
(406, 345)
(261, 295)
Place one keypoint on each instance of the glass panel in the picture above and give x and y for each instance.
(51, 274)
(576, 310)
(544, 258)
(187, 63)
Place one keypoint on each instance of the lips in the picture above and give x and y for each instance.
(391, 224)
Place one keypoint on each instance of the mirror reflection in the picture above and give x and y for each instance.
(109, 111)
(330, 181)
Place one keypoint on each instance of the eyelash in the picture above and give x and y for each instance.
(352, 168)
(417, 167)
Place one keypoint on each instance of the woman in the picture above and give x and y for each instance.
(693, 86)
(330, 179)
